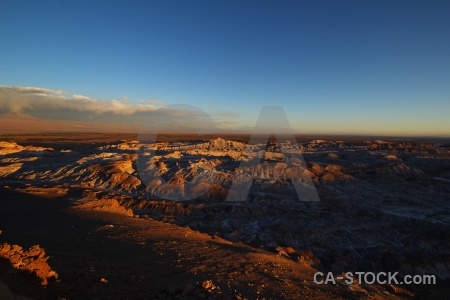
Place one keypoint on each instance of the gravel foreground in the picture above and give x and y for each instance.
(101, 255)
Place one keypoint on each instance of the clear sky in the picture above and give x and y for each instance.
(375, 67)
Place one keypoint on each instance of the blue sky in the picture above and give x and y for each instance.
(376, 67)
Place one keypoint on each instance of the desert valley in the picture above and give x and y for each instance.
(80, 218)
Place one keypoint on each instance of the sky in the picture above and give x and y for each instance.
(335, 67)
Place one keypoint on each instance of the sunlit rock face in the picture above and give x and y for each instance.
(383, 205)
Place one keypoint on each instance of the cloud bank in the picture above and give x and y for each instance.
(32, 90)
(55, 105)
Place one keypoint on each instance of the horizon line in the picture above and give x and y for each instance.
(217, 133)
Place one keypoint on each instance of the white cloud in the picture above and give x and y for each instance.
(51, 105)
(31, 90)
(81, 97)
(124, 98)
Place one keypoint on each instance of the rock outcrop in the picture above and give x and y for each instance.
(33, 260)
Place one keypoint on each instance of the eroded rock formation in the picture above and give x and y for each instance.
(384, 205)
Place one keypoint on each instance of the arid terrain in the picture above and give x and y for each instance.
(97, 216)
